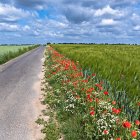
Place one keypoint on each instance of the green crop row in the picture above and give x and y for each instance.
(9, 52)
(119, 64)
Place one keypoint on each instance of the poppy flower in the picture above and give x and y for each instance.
(118, 138)
(113, 102)
(137, 122)
(84, 81)
(99, 86)
(88, 96)
(97, 100)
(88, 77)
(138, 103)
(106, 92)
(90, 99)
(93, 74)
(127, 124)
(92, 113)
(77, 97)
(90, 90)
(134, 134)
(116, 111)
(105, 132)
(83, 89)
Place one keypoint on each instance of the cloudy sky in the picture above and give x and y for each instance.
(41, 21)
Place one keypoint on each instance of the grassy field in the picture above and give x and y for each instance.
(119, 64)
(9, 52)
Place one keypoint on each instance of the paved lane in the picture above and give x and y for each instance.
(17, 79)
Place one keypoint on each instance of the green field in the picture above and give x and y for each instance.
(119, 64)
(5, 49)
(9, 52)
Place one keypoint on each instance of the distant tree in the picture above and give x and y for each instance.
(48, 43)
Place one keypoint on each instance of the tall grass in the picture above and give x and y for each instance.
(119, 64)
(9, 52)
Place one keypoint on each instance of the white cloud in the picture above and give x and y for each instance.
(11, 13)
(106, 22)
(135, 17)
(108, 10)
(26, 28)
(8, 27)
(137, 28)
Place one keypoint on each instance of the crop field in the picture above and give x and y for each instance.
(5, 49)
(83, 103)
(119, 64)
(9, 52)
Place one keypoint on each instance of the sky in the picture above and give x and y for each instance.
(79, 21)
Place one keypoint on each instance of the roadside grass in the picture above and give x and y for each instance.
(119, 64)
(80, 107)
(70, 125)
(50, 128)
(9, 52)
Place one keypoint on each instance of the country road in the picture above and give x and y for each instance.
(18, 92)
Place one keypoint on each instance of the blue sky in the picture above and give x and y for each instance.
(97, 21)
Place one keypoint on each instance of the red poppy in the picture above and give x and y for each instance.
(134, 134)
(53, 73)
(138, 103)
(92, 113)
(127, 124)
(77, 97)
(137, 122)
(101, 82)
(88, 96)
(116, 111)
(83, 89)
(99, 86)
(90, 90)
(84, 81)
(90, 99)
(97, 100)
(113, 102)
(106, 92)
(118, 138)
(93, 74)
(81, 74)
(88, 77)
(105, 131)
(75, 83)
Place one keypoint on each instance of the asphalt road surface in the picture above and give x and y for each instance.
(17, 79)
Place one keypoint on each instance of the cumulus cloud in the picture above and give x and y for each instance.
(108, 10)
(11, 13)
(9, 27)
(137, 28)
(108, 22)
